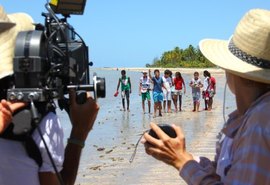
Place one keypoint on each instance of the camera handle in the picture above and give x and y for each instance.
(36, 121)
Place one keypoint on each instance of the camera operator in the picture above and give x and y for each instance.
(16, 166)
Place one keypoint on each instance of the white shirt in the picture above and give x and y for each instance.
(17, 168)
(145, 84)
(205, 83)
(167, 82)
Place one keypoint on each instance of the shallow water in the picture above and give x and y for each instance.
(111, 142)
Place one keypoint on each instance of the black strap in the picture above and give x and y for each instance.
(22, 128)
(33, 150)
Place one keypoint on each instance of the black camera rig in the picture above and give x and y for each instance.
(49, 61)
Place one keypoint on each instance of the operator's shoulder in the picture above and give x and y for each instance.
(259, 114)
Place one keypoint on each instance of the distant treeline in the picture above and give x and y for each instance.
(187, 58)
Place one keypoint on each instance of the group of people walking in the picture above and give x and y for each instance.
(168, 89)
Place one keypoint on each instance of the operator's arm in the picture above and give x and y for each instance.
(6, 111)
(82, 119)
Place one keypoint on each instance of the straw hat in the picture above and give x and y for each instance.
(4, 21)
(247, 53)
(10, 26)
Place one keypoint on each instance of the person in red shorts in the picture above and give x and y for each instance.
(179, 83)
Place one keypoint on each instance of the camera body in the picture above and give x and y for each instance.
(50, 60)
(168, 129)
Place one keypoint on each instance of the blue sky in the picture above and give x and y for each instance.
(124, 33)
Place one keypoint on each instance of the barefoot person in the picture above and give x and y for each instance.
(196, 85)
(144, 91)
(211, 90)
(125, 89)
(205, 93)
(167, 95)
(157, 91)
(179, 85)
(244, 148)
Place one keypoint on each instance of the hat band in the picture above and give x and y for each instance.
(259, 62)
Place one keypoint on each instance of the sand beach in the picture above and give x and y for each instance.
(105, 159)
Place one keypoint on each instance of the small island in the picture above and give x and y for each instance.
(190, 57)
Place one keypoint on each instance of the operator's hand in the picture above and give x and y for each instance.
(82, 116)
(6, 111)
(169, 150)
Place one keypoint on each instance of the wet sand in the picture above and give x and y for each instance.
(105, 159)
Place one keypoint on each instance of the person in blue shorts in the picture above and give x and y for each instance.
(157, 91)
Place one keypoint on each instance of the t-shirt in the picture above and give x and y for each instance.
(195, 85)
(212, 83)
(206, 83)
(178, 83)
(157, 84)
(167, 82)
(17, 168)
(145, 84)
(125, 86)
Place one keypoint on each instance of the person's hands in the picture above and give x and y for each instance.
(184, 90)
(169, 150)
(130, 91)
(6, 111)
(82, 116)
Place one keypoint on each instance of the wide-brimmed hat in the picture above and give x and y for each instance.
(247, 52)
(10, 26)
(4, 21)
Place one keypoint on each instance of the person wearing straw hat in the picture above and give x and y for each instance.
(16, 166)
(243, 151)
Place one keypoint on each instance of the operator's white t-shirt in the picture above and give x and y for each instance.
(17, 168)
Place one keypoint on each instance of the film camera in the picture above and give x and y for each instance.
(53, 58)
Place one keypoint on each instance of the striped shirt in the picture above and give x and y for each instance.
(244, 157)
